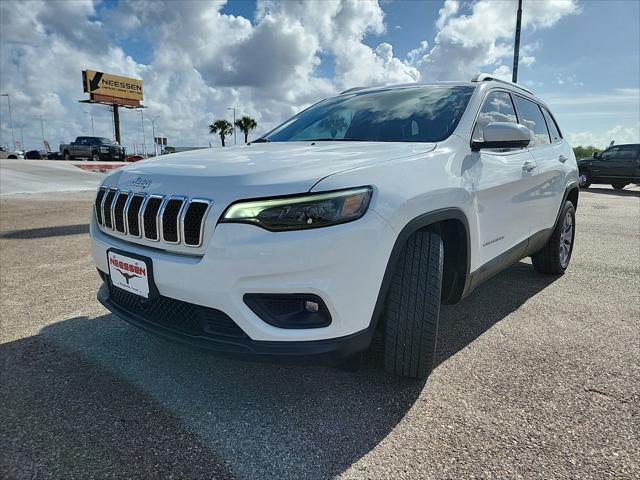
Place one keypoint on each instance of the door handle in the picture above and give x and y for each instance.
(528, 166)
(562, 158)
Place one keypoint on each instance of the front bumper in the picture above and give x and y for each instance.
(331, 351)
(343, 265)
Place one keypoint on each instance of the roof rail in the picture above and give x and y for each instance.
(354, 89)
(486, 77)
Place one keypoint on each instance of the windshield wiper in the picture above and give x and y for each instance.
(330, 139)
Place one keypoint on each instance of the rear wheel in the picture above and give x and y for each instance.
(584, 180)
(95, 156)
(555, 256)
(618, 185)
(67, 156)
(412, 307)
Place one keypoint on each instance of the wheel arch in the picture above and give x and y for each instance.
(453, 227)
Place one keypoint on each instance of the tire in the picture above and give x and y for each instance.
(618, 185)
(584, 181)
(95, 157)
(412, 307)
(554, 258)
(67, 156)
(12, 157)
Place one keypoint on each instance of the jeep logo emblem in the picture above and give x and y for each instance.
(140, 183)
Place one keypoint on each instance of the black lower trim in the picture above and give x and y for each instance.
(332, 351)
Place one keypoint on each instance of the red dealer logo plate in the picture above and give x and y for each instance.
(128, 274)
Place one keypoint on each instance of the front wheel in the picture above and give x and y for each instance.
(584, 181)
(412, 307)
(618, 185)
(67, 156)
(555, 256)
(95, 156)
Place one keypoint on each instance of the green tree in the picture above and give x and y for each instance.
(245, 125)
(581, 152)
(222, 128)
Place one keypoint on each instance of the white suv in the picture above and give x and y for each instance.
(359, 215)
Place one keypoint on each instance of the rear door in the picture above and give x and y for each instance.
(547, 187)
(502, 180)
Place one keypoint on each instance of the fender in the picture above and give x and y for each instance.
(419, 223)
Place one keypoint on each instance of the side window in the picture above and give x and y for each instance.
(497, 107)
(627, 152)
(610, 153)
(553, 127)
(532, 119)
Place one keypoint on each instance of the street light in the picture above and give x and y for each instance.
(10, 118)
(234, 123)
(93, 132)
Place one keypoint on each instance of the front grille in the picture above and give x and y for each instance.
(177, 315)
(160, 218)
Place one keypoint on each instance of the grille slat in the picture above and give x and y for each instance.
(177, 315)
(159, 218)
(192, 223)
(150, 217)
(170, 220)
(98, 205)
(118, 211)
(106, 208)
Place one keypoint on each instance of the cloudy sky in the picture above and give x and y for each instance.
(271, 58)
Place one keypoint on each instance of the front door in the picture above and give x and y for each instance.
(503, 182)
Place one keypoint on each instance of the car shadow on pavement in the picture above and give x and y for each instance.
(45, 232)
(615, 193)
(101, 386)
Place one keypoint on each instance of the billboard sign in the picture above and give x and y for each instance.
(107, 85)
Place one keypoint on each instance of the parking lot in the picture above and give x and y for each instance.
(537, 377)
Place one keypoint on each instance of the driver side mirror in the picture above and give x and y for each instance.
(503, 135)
(596, 155)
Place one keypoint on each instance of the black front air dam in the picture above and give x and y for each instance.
(327, 352)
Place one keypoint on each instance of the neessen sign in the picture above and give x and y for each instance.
(100, 83)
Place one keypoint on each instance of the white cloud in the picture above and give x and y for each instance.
(620, 134)
(199, 60)
(469, 42)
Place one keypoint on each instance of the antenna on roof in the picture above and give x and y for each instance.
(516, 47)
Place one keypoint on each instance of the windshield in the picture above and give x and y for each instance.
(105, 140)
(415, 114)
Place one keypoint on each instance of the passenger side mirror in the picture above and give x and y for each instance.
(503, 135)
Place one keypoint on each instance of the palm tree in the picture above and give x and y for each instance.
(246, 124)
(222, 128)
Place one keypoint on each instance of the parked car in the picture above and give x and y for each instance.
(11, 154)
(618, 165)
(361, 214)
(93, 148)
(33, 155)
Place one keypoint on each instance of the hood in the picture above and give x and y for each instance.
(256, 170)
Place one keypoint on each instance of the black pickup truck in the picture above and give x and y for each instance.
(618, 165)
(93, 148)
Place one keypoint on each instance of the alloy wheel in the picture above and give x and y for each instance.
(566, 239)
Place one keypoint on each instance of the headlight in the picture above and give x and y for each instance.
(302, 211)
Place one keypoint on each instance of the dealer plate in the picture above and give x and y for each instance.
(129, 273)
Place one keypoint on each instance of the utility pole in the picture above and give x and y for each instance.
(234, 123)
(516, 47)
(153, 129)
(10, 119)
(93, 132)
(144, 139)
(44, 145)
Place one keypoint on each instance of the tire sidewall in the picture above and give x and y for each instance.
(568, 207)
(587, 181)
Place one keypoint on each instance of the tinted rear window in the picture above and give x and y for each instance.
(421, 114)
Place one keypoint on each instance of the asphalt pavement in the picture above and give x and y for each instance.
(538, 377)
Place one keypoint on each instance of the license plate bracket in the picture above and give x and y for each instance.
(132, 273)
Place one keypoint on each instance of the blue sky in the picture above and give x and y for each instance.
(270, 58)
